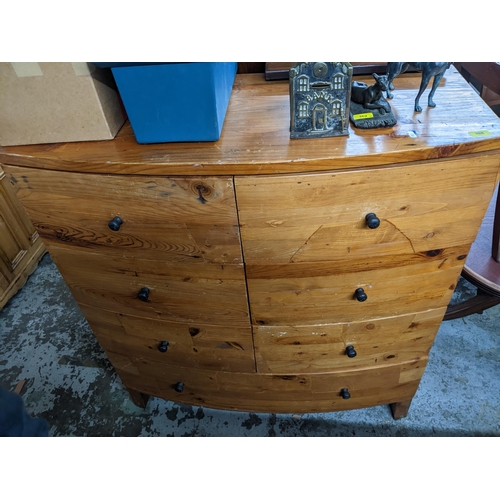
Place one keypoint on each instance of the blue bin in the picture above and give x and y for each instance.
(175, 102)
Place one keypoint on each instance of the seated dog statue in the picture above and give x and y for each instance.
(371, 97)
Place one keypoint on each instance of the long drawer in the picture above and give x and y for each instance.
(166, 218)
(272, 393)
(322, 217)
(173, 344)
(181, 292)
(345, 346)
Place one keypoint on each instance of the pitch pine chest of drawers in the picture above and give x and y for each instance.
(266, 274)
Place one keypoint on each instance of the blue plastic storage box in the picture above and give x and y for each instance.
(175, 102)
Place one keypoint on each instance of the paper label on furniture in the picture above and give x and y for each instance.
(83, 68)
(363, 116)
(480, 133)
(27, 69)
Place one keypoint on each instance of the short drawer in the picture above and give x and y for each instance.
(324, 293)
(172, 219)
(289, 393)
(322, 217)
(173, 344)
(344, 346)
(181, 292)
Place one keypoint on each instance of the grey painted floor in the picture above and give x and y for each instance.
(45, 340)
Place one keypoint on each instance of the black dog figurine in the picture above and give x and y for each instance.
(371, 97)
(428, 69)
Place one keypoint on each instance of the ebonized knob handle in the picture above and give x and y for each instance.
(345, 394)
(351, 353)
(163, 346)
(143, 294)
(360, 294)
(179, 387)
(114, 224)
(372, 221)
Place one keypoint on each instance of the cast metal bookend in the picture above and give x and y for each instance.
(428, 69)
(369, 109)
(320, 97)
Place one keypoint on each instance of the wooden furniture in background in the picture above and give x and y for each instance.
(251, 67)
(485, 76)
(20, 247)
(482, 267)
(266, 274)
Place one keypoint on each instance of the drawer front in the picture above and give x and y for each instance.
(272, 393)
(180, 292)
(345, 346)
(321, 217)
(311, 294)
(173, 344)
(169, 218)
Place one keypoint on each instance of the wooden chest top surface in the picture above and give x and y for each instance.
(256, 137)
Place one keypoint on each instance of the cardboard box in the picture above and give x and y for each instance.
(57, 102)
(175, 102)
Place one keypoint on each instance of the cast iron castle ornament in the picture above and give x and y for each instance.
(320, 96)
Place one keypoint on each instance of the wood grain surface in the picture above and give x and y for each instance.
(256, 137)
(169, 219)
(20, 246)
(272, 393)
(206, 293)
(318, 217)
(322, 348)
(189, 344)
(317, 300)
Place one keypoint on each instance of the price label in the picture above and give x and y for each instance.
(480, 133)
(363, 116)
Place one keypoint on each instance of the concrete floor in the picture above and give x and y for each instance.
(45, 340)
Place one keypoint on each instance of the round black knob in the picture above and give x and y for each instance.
(179, 387)
(351, 353)
(143, 294)
(360, 294)
(114, 224)
(163, 346)
(372, 221)
(345, 394)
